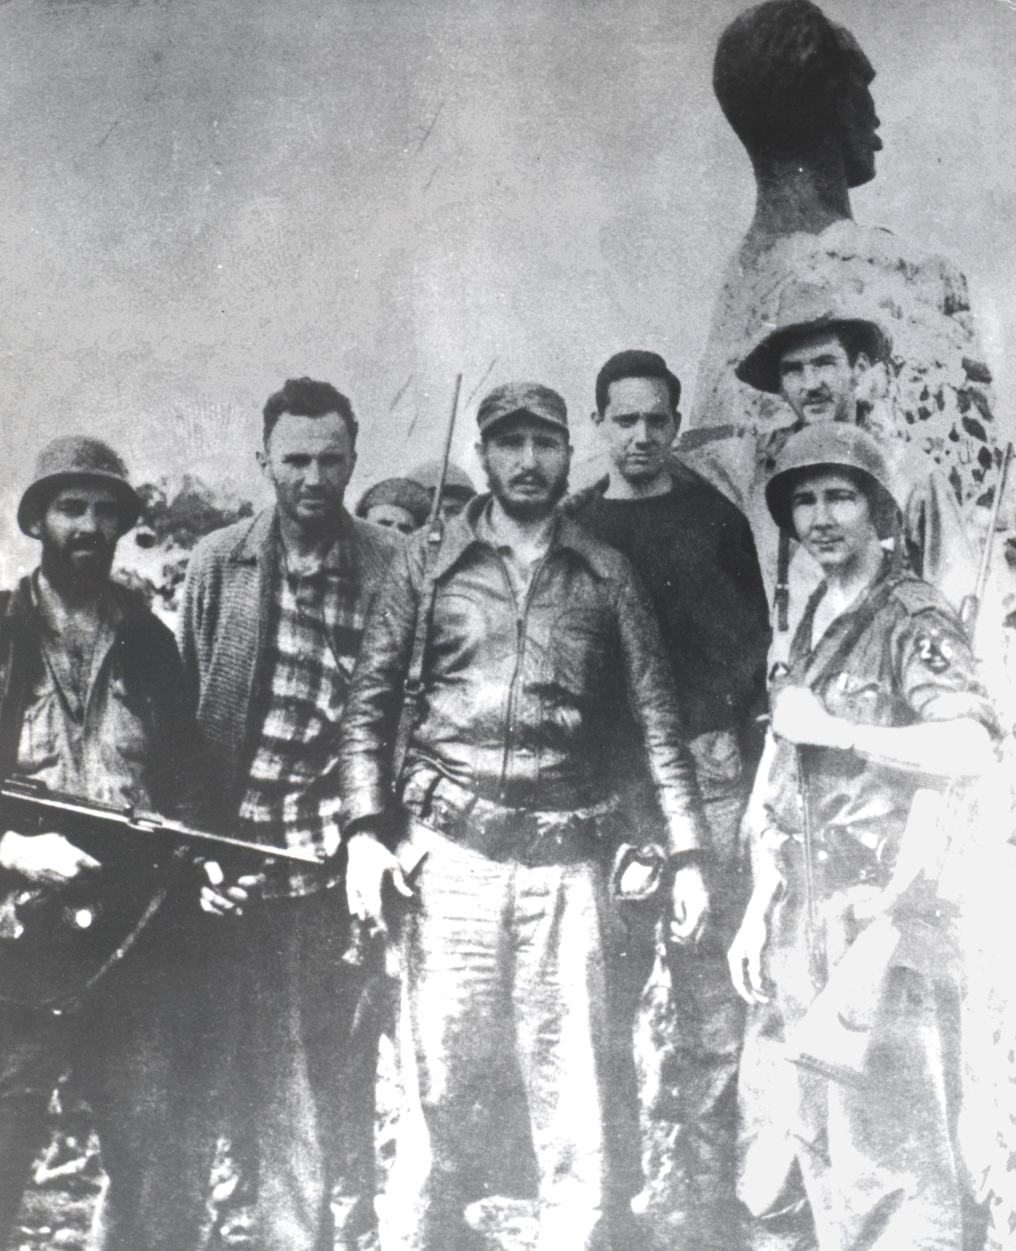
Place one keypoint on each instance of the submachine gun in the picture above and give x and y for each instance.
(56, 942)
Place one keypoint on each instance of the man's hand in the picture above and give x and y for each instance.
(369, 860)
(222, 900)
(689, 905)
(748, 947)
(745, 957)
(44, 859)
(799, 716)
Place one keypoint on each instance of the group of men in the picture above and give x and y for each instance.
(472, 748)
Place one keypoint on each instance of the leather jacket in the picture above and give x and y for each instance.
(519, 700)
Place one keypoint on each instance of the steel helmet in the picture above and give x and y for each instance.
(76, 458)
(403, 493)
(833, 445)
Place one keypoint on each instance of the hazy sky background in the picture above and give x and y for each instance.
(204, 197)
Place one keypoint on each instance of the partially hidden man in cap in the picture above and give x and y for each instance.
(825, 356)
(271, 622)
(396, 503)
(91, 706)
(501, 818)
(457, 491)
(693, 551)
(844, 954)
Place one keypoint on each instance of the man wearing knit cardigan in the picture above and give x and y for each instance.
(273, 611)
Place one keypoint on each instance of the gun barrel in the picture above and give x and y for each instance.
(989, 538)
(433, 524)
(39, 799)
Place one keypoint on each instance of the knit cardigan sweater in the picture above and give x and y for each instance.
(222, 636)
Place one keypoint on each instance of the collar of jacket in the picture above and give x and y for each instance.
(460, 535)
(261, 544)
(22, 602)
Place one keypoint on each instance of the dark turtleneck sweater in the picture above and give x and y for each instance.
(695, 555)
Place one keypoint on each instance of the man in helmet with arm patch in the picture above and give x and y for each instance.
(879, 695)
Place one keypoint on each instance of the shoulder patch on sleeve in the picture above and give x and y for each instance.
(935, 650)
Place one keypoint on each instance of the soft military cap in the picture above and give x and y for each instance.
(400, 492)
(457, 481)
(76, 458)
(804, 309)
(831, 445)
(528, 398)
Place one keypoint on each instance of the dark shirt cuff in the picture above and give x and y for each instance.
(681, 859)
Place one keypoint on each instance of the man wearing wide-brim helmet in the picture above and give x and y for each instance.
(826, 356)
(879, 696)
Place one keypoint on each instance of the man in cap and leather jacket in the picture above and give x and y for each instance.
(539, 636)
(853, 1144)
(91, 705)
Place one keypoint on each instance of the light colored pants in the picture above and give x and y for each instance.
(836, 1166)
(502, 958)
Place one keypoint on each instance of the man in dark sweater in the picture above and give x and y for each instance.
(695, 554)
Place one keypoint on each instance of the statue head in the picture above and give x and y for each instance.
(790, 82)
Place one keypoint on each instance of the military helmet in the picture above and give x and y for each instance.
(809, 308)
(831, 446)
(77, 458)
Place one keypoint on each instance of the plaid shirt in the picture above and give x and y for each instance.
(313, 639)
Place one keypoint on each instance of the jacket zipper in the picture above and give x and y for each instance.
(520, 647)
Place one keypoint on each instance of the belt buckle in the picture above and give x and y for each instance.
(546, 834)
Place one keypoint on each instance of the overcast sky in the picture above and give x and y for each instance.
(203, 197)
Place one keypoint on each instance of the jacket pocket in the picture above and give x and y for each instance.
(577, 651)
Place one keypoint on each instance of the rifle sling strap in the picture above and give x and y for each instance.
(414, 674)
(56, 1003)
(818, 669)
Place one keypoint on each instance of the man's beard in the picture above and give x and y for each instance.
(65, 574)
(529, 510)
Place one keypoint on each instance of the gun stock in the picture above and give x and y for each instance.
(834, 1035)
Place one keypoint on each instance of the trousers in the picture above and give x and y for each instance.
(129, 1049)
(833, 1164)
(302, 1040)
(502, 958)
(689, 1027)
